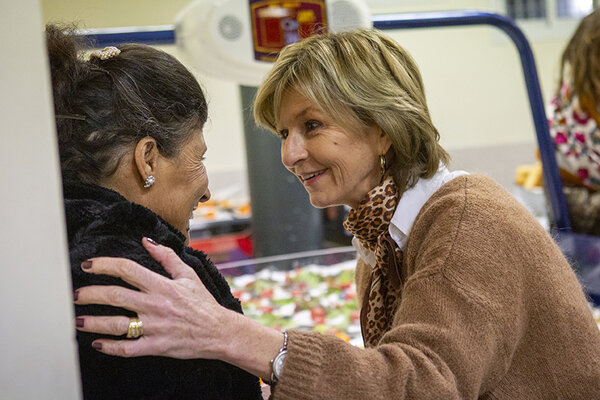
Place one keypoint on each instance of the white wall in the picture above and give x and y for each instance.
(37, 334)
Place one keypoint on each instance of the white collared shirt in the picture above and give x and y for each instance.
(408, 208)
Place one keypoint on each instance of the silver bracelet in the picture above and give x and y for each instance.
(277, 362)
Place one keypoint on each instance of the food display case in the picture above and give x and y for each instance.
(316, 290)
(312, 290)
(221, 228)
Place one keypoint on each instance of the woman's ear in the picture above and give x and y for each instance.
(384, 141)
(146, 158)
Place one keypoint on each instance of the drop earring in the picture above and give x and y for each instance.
(149, 181)
(382, 163)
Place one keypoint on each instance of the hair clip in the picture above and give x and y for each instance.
(106, 53)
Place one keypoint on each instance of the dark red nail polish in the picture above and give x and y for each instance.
(97, 346)
(75, 295)
(86, 264)
(151, 241)
(79, 322)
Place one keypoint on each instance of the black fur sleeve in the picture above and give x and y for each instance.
(107, 377)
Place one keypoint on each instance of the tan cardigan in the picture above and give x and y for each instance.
(490, 310)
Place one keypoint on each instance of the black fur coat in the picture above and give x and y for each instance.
(100, 222)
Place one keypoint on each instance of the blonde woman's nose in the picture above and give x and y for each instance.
(293, 150)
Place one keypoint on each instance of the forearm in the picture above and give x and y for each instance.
(322, 366)
(248, 344)
(426, 355)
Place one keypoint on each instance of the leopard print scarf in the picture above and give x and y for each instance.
(369, 223)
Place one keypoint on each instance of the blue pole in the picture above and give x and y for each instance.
(552, 180)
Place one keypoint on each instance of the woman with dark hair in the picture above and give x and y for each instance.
(129, 123)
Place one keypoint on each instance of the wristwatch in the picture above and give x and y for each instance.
(277, 362)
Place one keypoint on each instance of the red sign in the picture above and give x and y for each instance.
(276, 24)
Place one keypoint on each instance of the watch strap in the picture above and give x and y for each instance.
(280, 354)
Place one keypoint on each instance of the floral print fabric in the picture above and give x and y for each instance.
(576, 135)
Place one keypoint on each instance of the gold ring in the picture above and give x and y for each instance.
(136, 329)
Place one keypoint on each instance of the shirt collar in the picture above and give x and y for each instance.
(412, 201)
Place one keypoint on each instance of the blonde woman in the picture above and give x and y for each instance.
(462, 293)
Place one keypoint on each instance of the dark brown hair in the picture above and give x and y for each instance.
(583, 56)
(104, 107)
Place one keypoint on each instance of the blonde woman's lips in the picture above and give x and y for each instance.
(310, 177)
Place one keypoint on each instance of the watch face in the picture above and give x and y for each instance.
(278, 363)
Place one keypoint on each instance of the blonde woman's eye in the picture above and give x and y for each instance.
(283, 134)
(312, 125)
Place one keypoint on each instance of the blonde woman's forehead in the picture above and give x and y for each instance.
(293, 105)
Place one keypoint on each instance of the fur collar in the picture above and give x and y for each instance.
(85, 203)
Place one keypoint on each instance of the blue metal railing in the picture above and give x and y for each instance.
(162, 34)
(551, 173)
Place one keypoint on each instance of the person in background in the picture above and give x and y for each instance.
(129, 123)
(574, 120)
(463, 295)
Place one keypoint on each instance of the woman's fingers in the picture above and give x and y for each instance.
(128, 270)
(181, 317)
(115, 326)
(111, 295)
(169, 260)
(124, 348)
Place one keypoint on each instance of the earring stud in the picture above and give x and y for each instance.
(149, 181)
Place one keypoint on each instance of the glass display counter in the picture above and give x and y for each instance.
(312, 290)
(583, 253)
(316, 290)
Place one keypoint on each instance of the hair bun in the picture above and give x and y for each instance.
(65, 65)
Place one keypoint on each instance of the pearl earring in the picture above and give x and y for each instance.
(382, 163)
(149, 181)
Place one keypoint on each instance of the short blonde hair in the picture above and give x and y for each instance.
(360, 77)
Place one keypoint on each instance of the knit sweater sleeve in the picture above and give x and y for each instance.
(460, 316)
